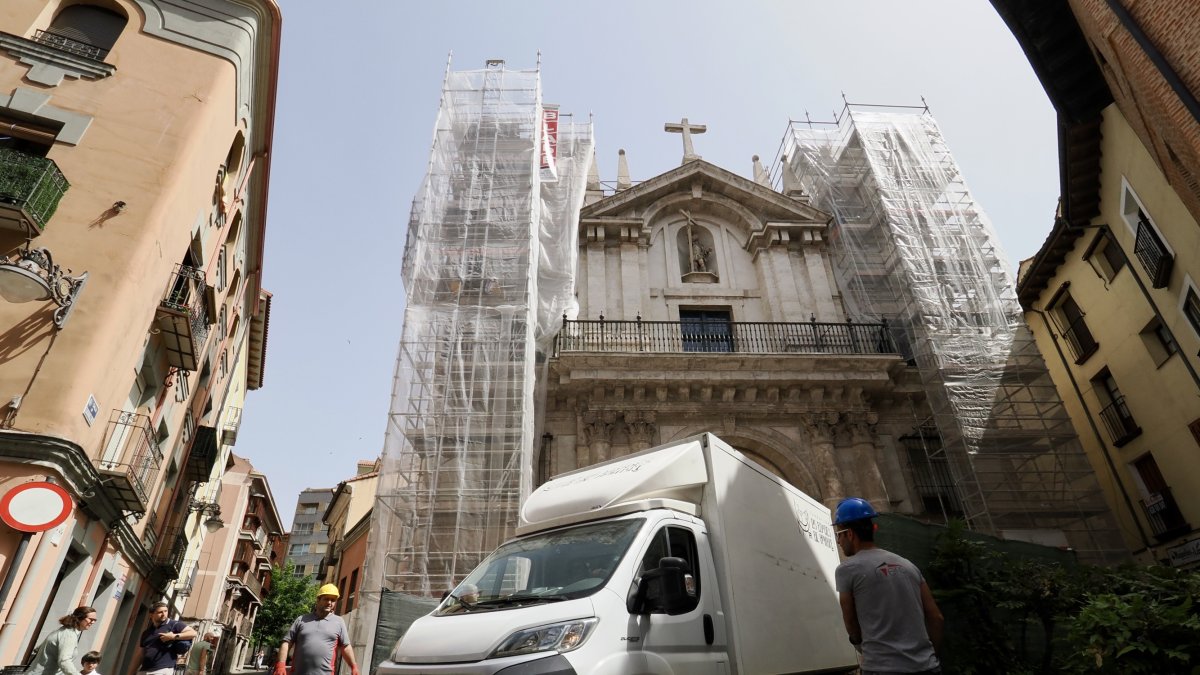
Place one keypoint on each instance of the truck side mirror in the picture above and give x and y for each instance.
(669, 589)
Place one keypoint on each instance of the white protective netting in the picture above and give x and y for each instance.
(488, 272)
(911, 245)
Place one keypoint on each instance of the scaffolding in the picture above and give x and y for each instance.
(488, 269)
(910, 244)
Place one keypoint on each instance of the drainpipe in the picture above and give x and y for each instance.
(26, 594)
(1092, 423)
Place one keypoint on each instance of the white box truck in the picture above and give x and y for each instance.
(687, 558)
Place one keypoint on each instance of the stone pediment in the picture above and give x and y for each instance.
(699, 177)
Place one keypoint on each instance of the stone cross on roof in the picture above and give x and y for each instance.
(687, 130)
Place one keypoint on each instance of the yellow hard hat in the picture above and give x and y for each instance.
(328, 589)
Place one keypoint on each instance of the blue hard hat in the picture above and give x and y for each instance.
(851, 509)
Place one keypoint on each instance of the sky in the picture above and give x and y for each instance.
(359, 86)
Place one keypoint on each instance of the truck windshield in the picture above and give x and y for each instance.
(559, 565)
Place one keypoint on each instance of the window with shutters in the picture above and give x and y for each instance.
(83, 30)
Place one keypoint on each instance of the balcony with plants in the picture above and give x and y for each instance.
(31, 187)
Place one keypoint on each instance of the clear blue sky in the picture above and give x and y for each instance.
(358, 95)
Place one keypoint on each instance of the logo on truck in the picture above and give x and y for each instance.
(814, 526)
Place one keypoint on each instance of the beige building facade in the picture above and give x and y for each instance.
(133, 189)
(1111, 295)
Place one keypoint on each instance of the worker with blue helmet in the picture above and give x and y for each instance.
(887, 607)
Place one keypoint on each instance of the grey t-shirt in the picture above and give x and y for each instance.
(887, 597)
(316, 642)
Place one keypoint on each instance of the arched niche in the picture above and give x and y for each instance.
(697, 250)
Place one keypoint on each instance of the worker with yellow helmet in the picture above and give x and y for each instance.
(317, 639)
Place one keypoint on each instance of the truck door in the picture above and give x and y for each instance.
(692, 641)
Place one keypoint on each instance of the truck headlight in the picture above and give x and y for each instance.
(560, 637)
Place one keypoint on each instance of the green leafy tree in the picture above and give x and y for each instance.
(289, 597)
(1137, 620)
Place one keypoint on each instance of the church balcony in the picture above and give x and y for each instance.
(745, 337)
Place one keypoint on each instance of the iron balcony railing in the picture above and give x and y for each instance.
(70, 45)
(131, 457)
(676, 337)
(184, 317)
(1080, 339)
(187, 578)
(1163, 514)
(1152, 253)
(1119, 422)
(233, 422)
(32, 184)
(172, 553)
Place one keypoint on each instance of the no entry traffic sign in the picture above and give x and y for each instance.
(35, 507)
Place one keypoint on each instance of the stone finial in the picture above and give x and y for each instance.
(593, 177)
(623, 182)
(760, 174)
(791, 184)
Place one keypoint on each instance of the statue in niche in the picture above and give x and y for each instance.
(700, 254)
(695, 258)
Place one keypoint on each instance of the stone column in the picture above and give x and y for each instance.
(631, 282)
(598, 428)
(789, 298)
(820, 427)
(818, 281)
(862, 449)
(642, 428)
(596, 296)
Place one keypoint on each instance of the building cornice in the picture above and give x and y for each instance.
(69, 461)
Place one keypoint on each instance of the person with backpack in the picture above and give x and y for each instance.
(163, 642)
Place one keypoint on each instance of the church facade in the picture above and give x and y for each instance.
(708, 302)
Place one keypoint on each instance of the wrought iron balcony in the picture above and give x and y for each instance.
(187, 580)
(30, 189)
(70, 45)
(183, 317)
(203, 455)
(169, 560)
(233, 422)
(1119, 422)
(1080, 340)
(1152, 253)
(677, 337)
(130, 460)
(1166, 521)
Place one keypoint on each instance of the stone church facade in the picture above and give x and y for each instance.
(707, 302)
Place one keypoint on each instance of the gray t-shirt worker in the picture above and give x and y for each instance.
(316, 639)
(887, 607)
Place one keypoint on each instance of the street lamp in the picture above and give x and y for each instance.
(212, 509)
(32, 276)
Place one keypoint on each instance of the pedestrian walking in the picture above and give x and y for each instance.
(163, 642)
(56, 653)
(889, 612)
(316, 639)
(200, 658)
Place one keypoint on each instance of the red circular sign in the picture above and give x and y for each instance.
(35, 507)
